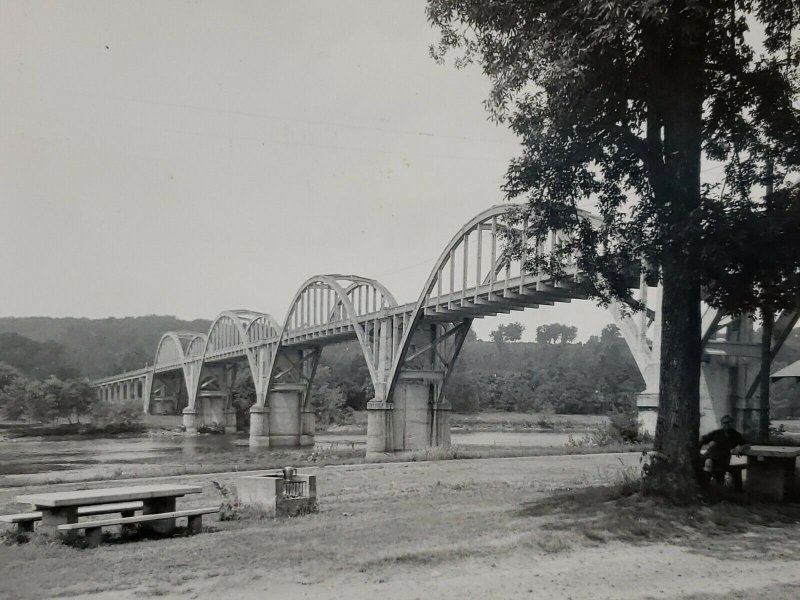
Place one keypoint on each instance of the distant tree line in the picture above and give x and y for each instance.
(53, 400)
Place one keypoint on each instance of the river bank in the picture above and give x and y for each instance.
(38, 462)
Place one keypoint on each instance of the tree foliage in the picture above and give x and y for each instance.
(738, 277)
(511, 332)
(617, 103)
(52, 399)
(585, 378)
(556, 333)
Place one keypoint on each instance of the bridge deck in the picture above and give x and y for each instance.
(488, 299)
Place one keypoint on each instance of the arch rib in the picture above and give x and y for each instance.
(419, 308)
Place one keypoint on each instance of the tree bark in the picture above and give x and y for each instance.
(767, 322)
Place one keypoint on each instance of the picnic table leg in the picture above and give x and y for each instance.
(159, 505)
(737, 479)
(53, 517)
(769, 477)
(25, 526)
(788, 478)
(93, 536)
(195, 524)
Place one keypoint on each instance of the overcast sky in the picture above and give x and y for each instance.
(190, 157)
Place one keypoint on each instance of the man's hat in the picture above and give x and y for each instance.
(726, 419)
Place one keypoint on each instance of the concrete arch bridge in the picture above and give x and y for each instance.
(410, 349)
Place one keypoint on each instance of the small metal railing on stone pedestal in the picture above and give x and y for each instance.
(293, 488)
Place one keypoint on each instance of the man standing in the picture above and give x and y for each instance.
(721, 442)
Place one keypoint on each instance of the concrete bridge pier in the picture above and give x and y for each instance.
(411, 421)
(308, 425)
(440, 424)
(211, 407)
(731, 362)
(285, 418)
(730, 366)
(282, 422)
(190, 420)
(259, 426)
(229, 416)
(380, 427)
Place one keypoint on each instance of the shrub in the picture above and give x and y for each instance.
(624, 424)
(622, 428)
(125, 413)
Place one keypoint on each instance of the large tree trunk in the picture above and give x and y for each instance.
(767, 322)
(677, 199)
(678, 426)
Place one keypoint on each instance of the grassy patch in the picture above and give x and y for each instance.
(622, 512)
(522, 422)
(72, 429)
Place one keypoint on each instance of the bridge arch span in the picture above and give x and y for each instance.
(237, 333)
(474, 276)
(331, 306)
(179, 351)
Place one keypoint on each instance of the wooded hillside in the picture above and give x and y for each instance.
(99, 347)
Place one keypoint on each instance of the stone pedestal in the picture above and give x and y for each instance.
(276, 496)
(259, 426)
(230, 420)
(190, 421)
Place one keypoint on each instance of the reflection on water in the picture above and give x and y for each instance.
(36, 455)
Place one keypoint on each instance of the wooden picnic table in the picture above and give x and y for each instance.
(59, 508)
(771, 471)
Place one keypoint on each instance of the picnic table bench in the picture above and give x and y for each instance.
(58, 512)
(26, 521)
(771, 471)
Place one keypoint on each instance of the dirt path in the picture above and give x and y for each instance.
(618, 572)
(615, 573)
